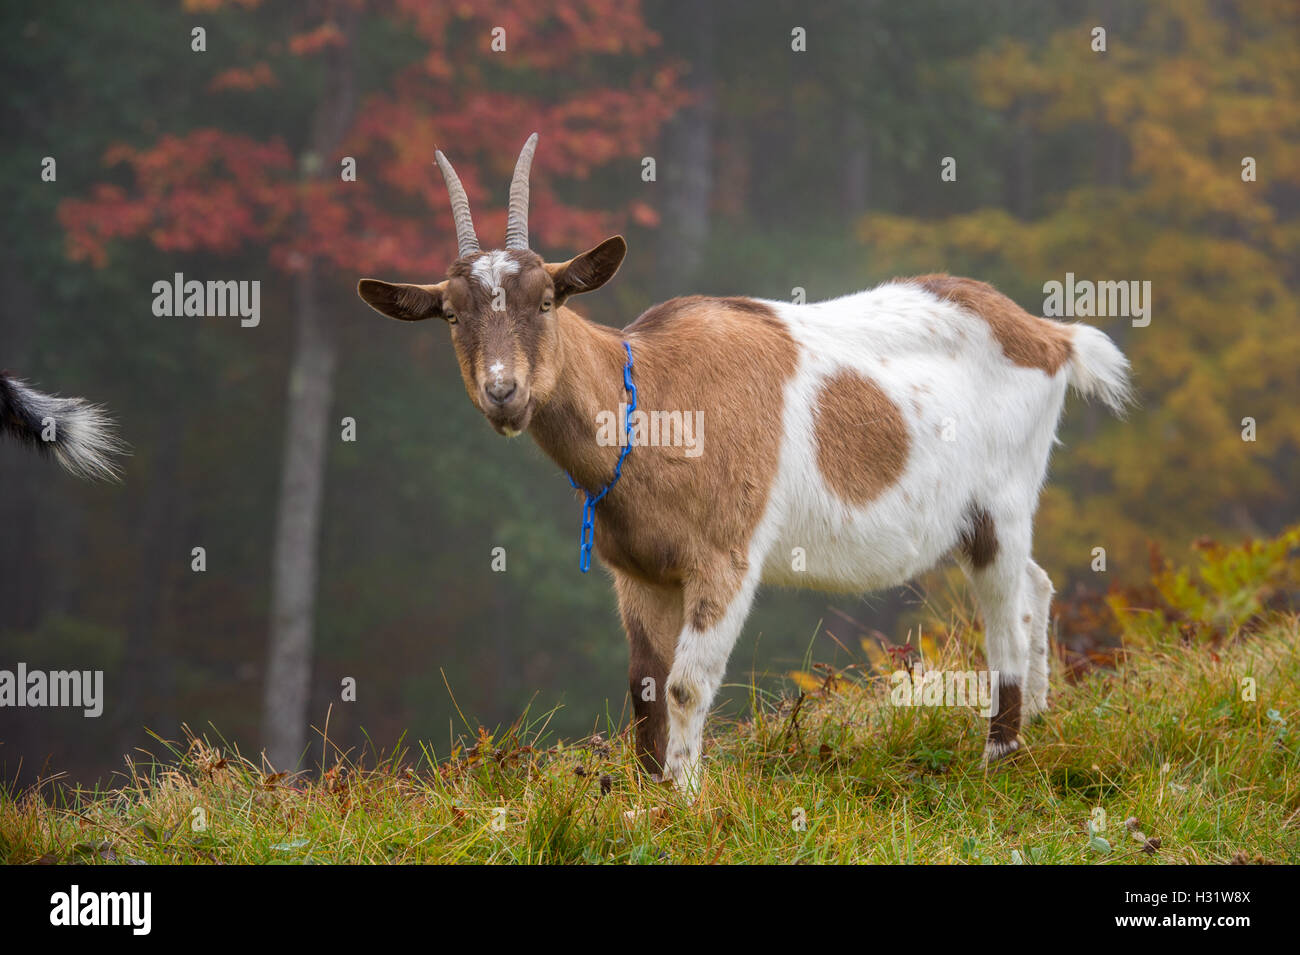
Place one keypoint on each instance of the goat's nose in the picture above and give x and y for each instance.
(501, 391)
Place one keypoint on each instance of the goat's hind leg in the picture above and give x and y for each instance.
(1038, 594)
(1001, 585)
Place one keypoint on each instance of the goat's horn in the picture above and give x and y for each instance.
(465, 237)
(517, 223)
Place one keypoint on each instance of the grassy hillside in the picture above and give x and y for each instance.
(1187, 749)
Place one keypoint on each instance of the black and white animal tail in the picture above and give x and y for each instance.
(80, 435)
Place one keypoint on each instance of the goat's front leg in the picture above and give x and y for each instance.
(715, 608)
(652, 617)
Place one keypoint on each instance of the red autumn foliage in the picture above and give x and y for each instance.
(218, 190)
(243, 80)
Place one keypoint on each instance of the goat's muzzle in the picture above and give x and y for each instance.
(508, 408)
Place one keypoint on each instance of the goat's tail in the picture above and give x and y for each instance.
(80, 435)
(1099, 369)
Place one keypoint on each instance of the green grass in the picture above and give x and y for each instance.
(1166, 739)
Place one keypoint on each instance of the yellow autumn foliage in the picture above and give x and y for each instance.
(1173, 114)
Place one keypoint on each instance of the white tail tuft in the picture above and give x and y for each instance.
(80, 435)
(1099, 369)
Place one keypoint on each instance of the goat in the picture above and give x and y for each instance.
(852, 445)
(80, 435)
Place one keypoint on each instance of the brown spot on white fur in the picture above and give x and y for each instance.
(706, 613)
(1027, 340)
(862, 441)
(979, 539)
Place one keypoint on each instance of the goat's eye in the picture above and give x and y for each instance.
(546, 304)
(450, 317)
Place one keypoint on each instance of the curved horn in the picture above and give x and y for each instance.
(517, 223)
(466, 240)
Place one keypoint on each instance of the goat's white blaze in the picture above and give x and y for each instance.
(491, 269)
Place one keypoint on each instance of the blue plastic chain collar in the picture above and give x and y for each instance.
(587, 536)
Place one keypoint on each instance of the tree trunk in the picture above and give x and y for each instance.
(286, 693)
(687, 170)
(294, 565)
(856, 163)
(1020, 190)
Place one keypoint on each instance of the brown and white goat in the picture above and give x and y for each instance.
(851, 445)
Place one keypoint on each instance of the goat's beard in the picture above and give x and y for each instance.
(511, 422)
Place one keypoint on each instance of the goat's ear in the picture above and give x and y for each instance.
(589, 271)
(406, 303)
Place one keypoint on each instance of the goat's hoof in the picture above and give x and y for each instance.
(997, 750)
(1035, 706)
(689, 787)
(685, 779)
(654, 814)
